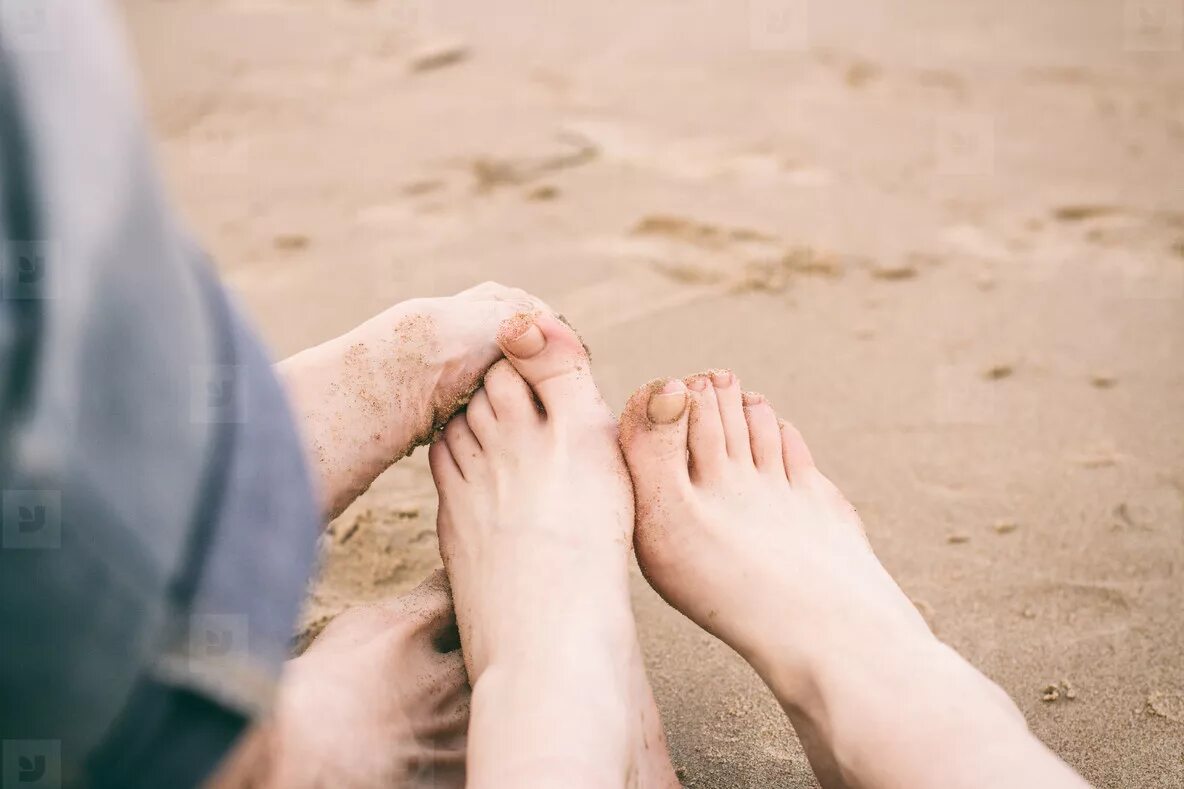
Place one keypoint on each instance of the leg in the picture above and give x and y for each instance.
(368, 397)
(536, 521)
(738, 529)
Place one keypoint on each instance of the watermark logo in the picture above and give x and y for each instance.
(779, 25)
(964, 143)
(24, 268)
(1153, 25)
(215, 394)
(32, 520)
(31, 764)
(215, 638)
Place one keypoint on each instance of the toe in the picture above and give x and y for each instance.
(463, 445)
(731, 414)
(764, 434)
(445, 472)
(654, 437)
(481, 418)
(509, 395)
(705, 431)
(551, 358)
(794, 452)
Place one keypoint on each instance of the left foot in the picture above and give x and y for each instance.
(367, 398)
(535, 525)
(380, 698)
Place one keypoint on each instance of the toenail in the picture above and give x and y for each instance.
(521, 336)
(722, 378)
(698, 384)
(668, 403)
(753, 398)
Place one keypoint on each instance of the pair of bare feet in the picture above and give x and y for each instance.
(542, 500)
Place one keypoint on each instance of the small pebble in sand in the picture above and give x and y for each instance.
(422, 187)
(290, 242)
(1005, 526)
(958, 539)
(999, 372)
(1078, 213)
(1103, 381)
(542, 193)
(894, 273)
(437, 55)
(1056, 691)
(1028, 613)
(924, 608)
(1165, 705)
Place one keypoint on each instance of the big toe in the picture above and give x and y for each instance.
(654, 438)
(550, 357)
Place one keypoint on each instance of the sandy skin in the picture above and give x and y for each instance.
(535, 524)
(367, 398)
(379, 699)
(738, 529)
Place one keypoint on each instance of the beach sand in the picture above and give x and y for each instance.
(946, 240)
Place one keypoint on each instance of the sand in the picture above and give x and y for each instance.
(946, 239)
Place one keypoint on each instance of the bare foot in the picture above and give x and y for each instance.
(367, 398)
(738, 529)
(379, 699)
(536, 526)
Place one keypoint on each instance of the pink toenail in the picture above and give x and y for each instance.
(521, 336)
(668, 403)
(753, 398)
(698, 384)
(722, 378)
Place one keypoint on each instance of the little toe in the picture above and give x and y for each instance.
(764, 434)
(550, 357)
(731, 413)
(708, 451)
(509, 395)
(654, 437)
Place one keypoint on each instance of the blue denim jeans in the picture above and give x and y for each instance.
(157, 527)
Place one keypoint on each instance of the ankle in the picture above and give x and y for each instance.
(845, 649)
(537, 717)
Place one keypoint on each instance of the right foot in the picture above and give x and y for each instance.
(535, 526)
(738, 529)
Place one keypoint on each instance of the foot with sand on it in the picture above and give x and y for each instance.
(739, 530)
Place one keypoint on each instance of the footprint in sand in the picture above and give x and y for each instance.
(736, 259)
(1090, 609)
